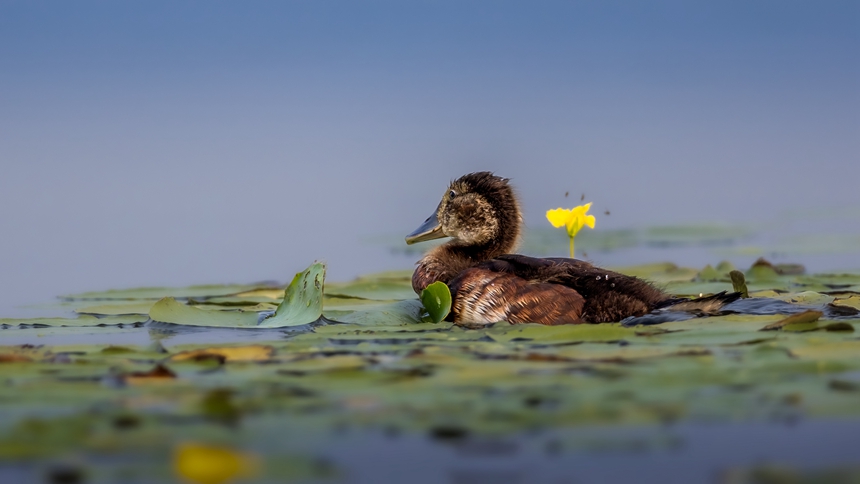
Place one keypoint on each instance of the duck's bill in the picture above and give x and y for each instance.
(429, 230)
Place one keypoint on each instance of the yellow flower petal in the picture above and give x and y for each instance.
(580, 210)
(558, 217)
(573, 226)
(572, 219)
(589, 220)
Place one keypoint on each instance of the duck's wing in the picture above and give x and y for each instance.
(609, 296)
(485, 295)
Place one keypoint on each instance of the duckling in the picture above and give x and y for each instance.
(488, 283)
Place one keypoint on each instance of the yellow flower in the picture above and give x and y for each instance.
(572, 219)
(206, 464)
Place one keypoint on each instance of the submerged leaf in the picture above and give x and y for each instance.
(437, 300)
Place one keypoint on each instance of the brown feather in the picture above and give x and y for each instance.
(484, 296)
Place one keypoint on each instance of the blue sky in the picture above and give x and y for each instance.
(179, 142)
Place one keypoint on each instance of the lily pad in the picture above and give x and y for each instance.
(228, 353)
(302, 304)
(81, 321)
(373, 289)
(169, 310)
(117, 309)
(393, 314)
(383, 367)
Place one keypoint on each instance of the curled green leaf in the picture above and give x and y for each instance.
(303, 300)
(436, 299)
(739, 283)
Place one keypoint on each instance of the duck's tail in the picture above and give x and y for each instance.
(702, 305)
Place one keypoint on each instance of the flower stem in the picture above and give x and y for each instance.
(571, 247)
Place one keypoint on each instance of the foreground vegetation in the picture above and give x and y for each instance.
(157, 392)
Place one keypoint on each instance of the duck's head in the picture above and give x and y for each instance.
(478, 209)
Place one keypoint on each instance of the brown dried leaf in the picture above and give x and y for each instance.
(159, 373)
(13, 358)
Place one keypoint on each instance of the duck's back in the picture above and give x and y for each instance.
(521, 289)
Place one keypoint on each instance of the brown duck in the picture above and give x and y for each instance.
(481, 214)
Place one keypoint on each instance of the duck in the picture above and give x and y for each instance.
(489, 282)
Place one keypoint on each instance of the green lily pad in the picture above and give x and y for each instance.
(393, 314)
(117, 309)
(81, 321)
(380, 289)
(169, 310)
(575, 333)
(387, 368)
(302, 304)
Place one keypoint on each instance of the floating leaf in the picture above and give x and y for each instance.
(169, 310)
(436, 299)
(303, 300)
(381, 369)
(806, 298)
(331, 363)
(840, 327)
(117, 309)
(228, 353)
(828, 350)
(805, 317)
(709, 274)
(393, 314)
(852, 301)
(373, 289)
(13, 358)
(564, 334)
(82, 321)
(159, 373)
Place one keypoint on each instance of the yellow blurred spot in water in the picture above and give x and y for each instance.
(209, 464)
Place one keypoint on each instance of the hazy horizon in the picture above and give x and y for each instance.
(170, 143)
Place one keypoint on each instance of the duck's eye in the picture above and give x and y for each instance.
(452, 194)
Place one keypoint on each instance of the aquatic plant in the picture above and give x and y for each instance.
(572, 219)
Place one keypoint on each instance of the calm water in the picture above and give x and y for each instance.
(688, 453)
(164, 144)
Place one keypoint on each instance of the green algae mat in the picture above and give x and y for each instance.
(162, 384)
